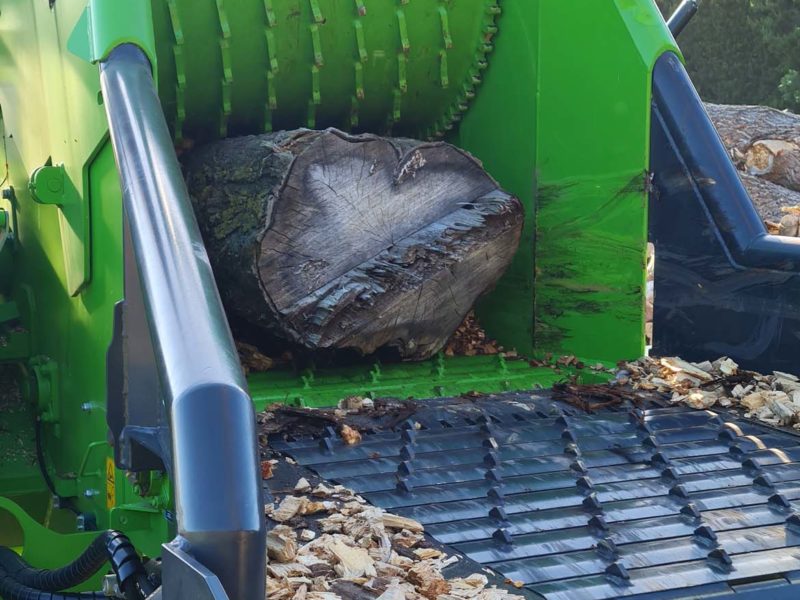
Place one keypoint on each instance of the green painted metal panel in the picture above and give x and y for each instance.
(562, 121)
(106, 24)
(501, 130)
(438, 378)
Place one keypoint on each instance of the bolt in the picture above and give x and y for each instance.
(80, 523)
(86, 407)
(91, 493)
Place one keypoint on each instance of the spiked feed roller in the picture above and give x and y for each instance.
(231, 68)
(343, 182)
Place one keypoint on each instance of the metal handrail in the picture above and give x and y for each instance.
(218, 490)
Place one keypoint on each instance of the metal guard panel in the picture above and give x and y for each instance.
(642, 502)
(722, 286)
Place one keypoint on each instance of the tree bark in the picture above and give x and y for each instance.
(335, 241)
(769, 198)
(762, 141)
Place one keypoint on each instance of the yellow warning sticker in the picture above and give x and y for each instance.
(111, 488)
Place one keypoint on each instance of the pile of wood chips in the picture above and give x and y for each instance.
(470, 339)
(773, 399)
(357, 552)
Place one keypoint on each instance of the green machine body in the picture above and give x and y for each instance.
(552, 96)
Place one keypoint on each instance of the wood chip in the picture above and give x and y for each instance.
(393, 592)
(267, 468)
(350, 436)
(397, 522)
(307, 535)
(676, 365)
(289, 507)
(428, 580)
(427, 553)
(281, 544)
(301, 592)
(293, 569)
(352, 562)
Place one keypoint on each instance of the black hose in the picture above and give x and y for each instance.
(13, 590)
(62, 502)
(40, 457)
(110, 546)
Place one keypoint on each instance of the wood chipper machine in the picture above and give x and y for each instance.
(128, 450)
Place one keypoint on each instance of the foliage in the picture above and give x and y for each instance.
(744, 51)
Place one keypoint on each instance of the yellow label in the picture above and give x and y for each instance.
(111, 488)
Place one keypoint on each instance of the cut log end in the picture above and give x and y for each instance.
(335, 241)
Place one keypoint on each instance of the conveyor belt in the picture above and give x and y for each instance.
(648, 501)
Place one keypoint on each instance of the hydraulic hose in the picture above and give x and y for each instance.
(18, 578)
(13, 590)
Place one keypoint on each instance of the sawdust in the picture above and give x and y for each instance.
(361, 553)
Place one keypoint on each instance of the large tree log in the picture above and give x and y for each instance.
(337, 241)
(770, 199)
(763, 141)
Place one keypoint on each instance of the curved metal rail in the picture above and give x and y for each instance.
(217, 486)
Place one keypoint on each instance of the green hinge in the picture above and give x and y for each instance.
(50, 185)
(105, 24)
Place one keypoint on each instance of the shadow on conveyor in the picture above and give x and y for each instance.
(723, 286)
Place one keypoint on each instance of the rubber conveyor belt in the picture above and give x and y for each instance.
(647, 501)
